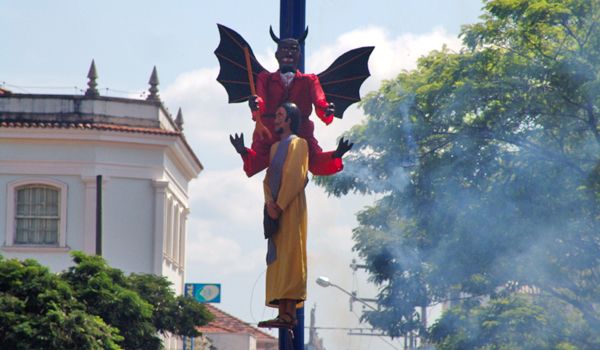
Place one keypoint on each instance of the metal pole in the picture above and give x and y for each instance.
(353, 297)
(298, 342)
(299, 330)
(292, 22)
(99, 215)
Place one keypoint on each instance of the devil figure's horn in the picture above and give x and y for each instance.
(273, 36)
(301, 40)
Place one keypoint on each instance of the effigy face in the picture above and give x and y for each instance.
(288, 55)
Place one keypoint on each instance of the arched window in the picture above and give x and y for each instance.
(37, 216)
(37, 211)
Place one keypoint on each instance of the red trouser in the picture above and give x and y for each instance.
(320, 163)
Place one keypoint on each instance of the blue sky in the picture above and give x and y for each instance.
(47, 47)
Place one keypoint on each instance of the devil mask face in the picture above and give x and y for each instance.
(288, 51)
(288, 55)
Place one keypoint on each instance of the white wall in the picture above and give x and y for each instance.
(129, 163)
(229, 341)
(128, 225)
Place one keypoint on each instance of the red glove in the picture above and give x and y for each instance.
(257, 105)
(325, 111)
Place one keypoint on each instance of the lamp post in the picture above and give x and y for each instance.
(325, 282)
(409, 341)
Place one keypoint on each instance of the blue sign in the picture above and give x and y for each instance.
(204, 292)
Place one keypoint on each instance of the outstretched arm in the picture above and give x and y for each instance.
(324, 110)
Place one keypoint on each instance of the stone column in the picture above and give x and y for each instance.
(160, 213)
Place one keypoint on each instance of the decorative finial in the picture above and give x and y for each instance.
(179, 120)
(92, 76)
(153, 86)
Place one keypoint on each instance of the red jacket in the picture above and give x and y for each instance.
(305, 91)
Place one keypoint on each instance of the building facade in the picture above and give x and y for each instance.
(96, 174)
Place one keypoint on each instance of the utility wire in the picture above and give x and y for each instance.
(379, 336)
(28, 88)
(24, 88)
(360, 329)
(252, 297)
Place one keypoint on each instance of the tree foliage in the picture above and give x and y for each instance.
(90, 306)
(38, 310)
(513, 322)
(487, 165)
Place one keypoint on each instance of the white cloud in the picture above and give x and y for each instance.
(390, 56)
(226, 194)
(217, 253)
(224, 230)
(208, 119)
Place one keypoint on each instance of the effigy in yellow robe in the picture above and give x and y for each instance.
(286, 276)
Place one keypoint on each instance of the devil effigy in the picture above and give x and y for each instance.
(283, 140)
(330, 92)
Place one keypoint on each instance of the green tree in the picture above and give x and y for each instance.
(38, 311)
(180, 315)
(90, 306)
(140, 306)
(512, 322)
(487, 162)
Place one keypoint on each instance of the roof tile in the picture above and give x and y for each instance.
(226, 323)
(89, 126)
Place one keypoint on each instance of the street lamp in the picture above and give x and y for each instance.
(325, 282)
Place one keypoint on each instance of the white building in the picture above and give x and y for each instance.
(53, 148)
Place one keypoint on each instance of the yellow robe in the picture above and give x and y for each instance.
(286, 276)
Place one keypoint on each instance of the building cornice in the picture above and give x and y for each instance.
(106, 133)
(29, 113)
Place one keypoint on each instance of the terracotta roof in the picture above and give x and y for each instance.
(225, 323)
(89, 126)
(99, 126)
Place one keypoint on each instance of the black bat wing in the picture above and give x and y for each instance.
(233, 74)
(342, 80)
